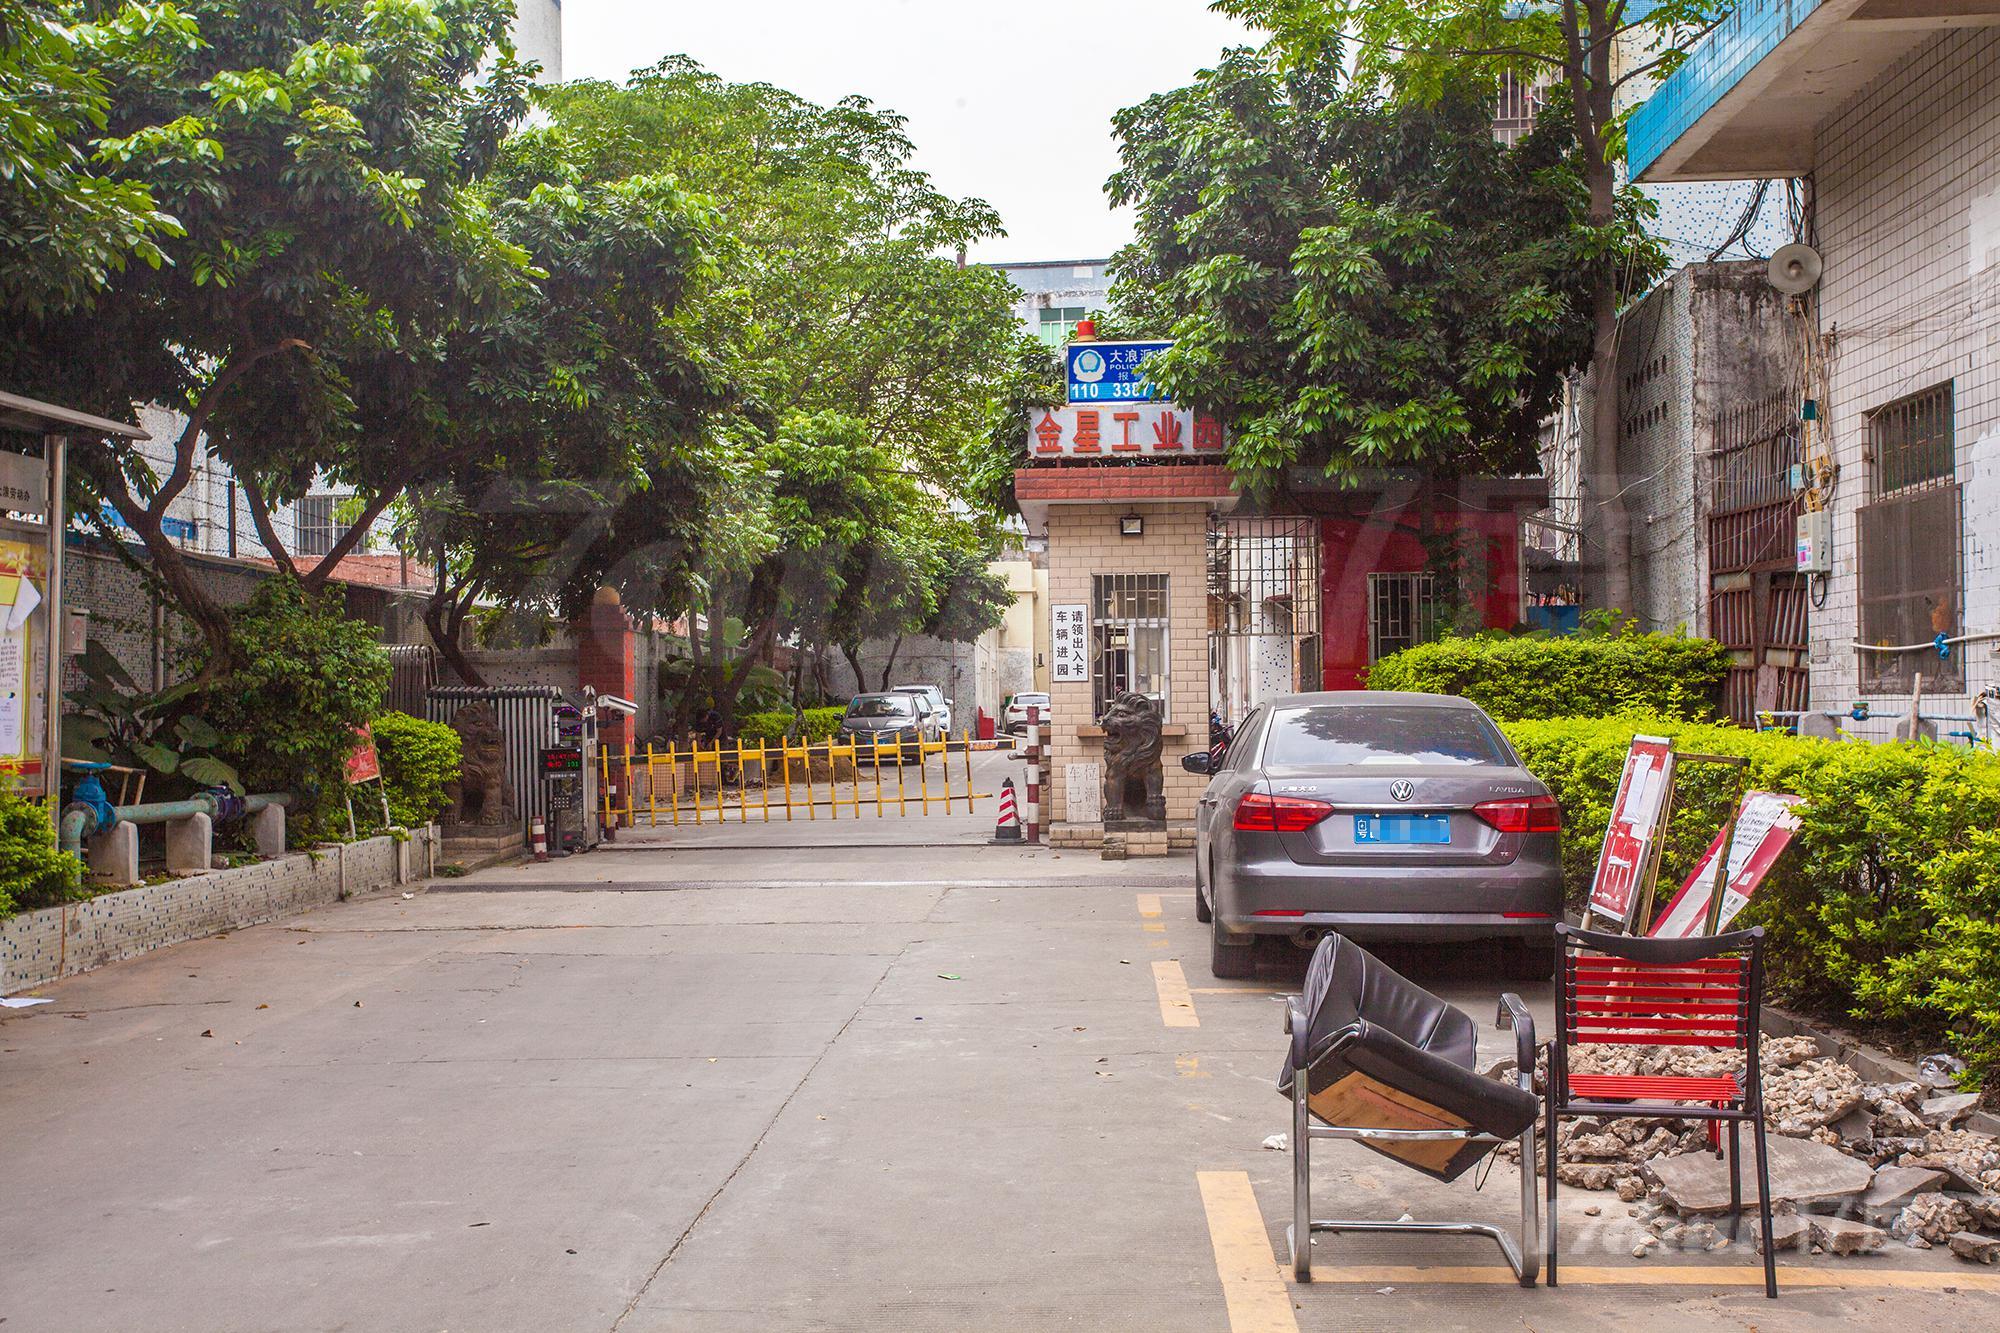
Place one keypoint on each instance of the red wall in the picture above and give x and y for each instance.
(1386, 543)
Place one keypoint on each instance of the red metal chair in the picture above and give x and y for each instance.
(1618, 990)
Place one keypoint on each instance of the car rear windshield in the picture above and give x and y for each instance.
(882, 705)
(1332, 735)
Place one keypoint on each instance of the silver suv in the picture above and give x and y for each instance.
(940, 706)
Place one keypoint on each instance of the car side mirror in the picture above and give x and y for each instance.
(1198, 762)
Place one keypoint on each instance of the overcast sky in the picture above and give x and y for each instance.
(1008, 100)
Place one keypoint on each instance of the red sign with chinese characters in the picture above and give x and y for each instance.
(363, 765)
(1113, 430)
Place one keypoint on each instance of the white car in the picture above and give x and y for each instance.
(940, 706)
(1014, 717)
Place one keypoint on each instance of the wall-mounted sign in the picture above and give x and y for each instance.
(24, 484)
(1111, 372)
(1092, 433)
(1069, 643)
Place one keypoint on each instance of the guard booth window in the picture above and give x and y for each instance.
(1128, 638)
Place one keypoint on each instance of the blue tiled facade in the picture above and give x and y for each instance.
(1711, 69)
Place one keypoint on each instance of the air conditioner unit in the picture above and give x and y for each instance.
(1815, 542)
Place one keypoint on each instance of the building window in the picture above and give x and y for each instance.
(316, 528)
(1908, 543)
(1402, 613)
(1059, 322)
(1128, 638)
(1515, 108)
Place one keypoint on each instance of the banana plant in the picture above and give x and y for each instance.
(113, 721)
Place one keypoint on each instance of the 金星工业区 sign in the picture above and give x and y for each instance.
(1089, 433)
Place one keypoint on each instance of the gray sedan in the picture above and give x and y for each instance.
(1380, 815)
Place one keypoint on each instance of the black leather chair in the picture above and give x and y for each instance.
(1379, 1060)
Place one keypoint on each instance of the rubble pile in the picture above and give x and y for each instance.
(1853, 1164)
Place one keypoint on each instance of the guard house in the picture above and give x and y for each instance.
(1164, 581)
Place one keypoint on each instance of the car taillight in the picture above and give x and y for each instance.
(1258, 813)
(1528, 814)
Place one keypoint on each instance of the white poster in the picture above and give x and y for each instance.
(1069, 643)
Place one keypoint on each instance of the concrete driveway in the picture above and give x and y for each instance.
(773, 1085)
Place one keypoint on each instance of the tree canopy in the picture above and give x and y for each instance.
(1352, 284)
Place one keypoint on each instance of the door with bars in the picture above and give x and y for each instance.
(1263, 611)
(1757, 599)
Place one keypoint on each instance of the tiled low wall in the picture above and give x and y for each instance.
(42, 946)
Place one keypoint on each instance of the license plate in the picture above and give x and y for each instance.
(1402, 828)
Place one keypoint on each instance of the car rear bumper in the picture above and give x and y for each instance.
(1522, 899)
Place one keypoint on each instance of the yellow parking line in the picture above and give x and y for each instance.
(1748, 1275)
(1241, 990)
(1258, 1300)
(1149, 904)
(1176, 1005)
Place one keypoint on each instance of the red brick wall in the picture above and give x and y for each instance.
(605, 662)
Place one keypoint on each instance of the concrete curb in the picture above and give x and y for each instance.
(1873, 1065)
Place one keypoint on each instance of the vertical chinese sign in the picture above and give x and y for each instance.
(1069, 643)
(23, 571)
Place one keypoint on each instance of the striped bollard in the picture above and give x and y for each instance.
(541, 839)
(1007, 828)
(1034, 774)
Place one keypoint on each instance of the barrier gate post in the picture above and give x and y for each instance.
(1034, 774)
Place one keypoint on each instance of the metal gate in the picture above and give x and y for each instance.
(413, 674)
(1757, 599)
(741, 782)
(528, 721)
(1263, 610)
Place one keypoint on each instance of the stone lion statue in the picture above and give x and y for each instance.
(1132, 775)
(479, 794)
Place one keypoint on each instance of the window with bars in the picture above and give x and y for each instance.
(1402, 613)
(315, 527)
(1058, 322)
(1128, 638)
(1908, 541)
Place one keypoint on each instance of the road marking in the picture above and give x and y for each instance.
(1258, 1300)
(1176, 1005)
(1156, 927)
(1241, 990)
(1189, 1066)
(1748, 1275)
(1149, 904)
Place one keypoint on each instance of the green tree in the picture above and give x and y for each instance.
(1598, 53)
(70, 220)
(320, 159)
(1352, 284)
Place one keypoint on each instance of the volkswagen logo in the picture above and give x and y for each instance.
(1402, 789)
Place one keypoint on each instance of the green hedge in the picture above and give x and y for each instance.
(33, 872)
(819, 724)
(1578, 675)
(1886, 909)
(419, 759)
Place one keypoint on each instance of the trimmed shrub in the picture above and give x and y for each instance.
(33, 872)
(304, 677)
(818, 724)
(1885, 910)
(1579, 675)
(419, 759)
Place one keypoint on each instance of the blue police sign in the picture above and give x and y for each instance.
(1111, 372)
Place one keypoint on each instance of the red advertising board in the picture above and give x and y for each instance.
(1636, 814)
(363, 765)
(1765, 824)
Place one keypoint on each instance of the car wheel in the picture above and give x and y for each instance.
(1230, 957)
(1202, 911)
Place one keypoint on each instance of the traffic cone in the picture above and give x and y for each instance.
(1008, 827)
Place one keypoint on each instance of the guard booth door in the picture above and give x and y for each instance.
(1263, 611)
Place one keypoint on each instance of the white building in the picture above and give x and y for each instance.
(1894, 125)
(538, 35)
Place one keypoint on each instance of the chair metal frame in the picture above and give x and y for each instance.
(1674, 1005)
(1521, 1252)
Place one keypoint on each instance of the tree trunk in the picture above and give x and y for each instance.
(852, 652)
(444, 618)
(889, 667)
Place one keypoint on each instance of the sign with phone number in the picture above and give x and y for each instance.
(1111, 372)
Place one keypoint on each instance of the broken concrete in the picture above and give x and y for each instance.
(1788, 1232)
(1934, 1217)
(1893, 1189)
(1978, 1249)
(1803, 1172)
(1844, 1235)
(1944, 1112)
